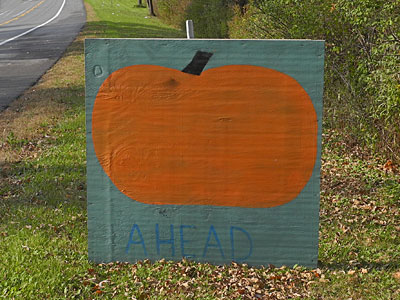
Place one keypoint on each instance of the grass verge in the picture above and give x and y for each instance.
(43, 237)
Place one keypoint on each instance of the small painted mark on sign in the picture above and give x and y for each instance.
(98, 71)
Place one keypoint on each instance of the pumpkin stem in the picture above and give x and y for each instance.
(198, 63)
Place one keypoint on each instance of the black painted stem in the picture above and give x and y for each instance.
(198, 63)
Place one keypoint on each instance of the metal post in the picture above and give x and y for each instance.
(189, 29)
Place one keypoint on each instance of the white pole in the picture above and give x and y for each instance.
(189, 29)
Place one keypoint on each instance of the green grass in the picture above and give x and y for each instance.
(43, 235)
(360, 218)
(115, 19)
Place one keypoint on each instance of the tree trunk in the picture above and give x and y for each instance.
(140, 2)
(151, 8)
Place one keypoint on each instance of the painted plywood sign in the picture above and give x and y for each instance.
(204, 149)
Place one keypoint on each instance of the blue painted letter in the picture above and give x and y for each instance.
(170, 241)
(183, 241)
(233, 244)
(218, 244)
(135, 227)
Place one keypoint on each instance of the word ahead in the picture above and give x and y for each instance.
(166, 247)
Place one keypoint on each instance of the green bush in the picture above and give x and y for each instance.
(362, 81)
(210, 17)
(172, 12)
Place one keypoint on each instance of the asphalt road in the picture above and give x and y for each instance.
(33, 35)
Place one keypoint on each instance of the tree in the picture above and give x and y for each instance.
(362, 82)
(151, 7)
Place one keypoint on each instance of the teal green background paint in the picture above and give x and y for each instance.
(121, 229)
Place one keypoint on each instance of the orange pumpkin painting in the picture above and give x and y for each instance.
(235, 135)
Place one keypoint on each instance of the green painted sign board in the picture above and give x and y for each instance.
(204, 149)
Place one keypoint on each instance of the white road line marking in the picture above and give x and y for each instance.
(4, 12)
(34, 28)
(23, 14)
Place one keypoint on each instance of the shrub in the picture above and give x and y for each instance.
(362, 81)
(210, 17)
(172, 12)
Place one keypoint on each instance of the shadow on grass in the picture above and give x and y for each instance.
(44, 159)
(348, 265)
(32, 185)
(108, 29)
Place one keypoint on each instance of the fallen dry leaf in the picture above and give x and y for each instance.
(396, 275)
(389, 166)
